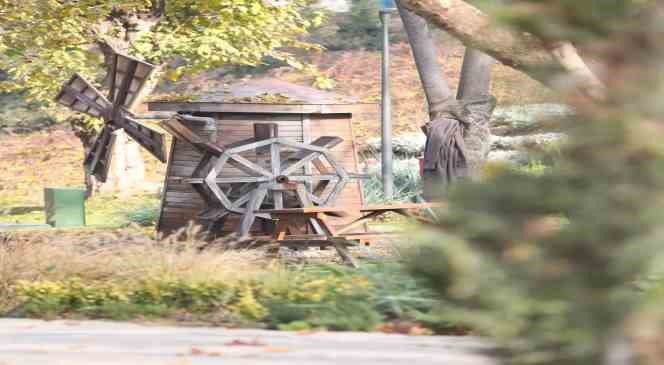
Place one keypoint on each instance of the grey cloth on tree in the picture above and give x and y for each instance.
(445, 156)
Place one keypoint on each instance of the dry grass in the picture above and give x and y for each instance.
(126, 275)
(49, 158)
(124, 256)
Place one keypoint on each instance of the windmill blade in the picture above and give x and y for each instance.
(79, 95)
(128, 75)
(150, 140)
(98, 161)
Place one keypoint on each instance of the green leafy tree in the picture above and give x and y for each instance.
(359, 28)
(43, 42)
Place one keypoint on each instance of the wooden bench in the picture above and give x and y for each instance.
(288, 231)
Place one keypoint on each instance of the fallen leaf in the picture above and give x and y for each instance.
(419, 331)
(404, 328)
(195, 351)
(254, 342)
(276, 349)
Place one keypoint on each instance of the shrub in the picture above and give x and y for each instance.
(136, 277)
(319, 300)
(360, 28)
(407, 182)
(146, 215)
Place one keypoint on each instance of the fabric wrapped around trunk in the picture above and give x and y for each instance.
(446, 158)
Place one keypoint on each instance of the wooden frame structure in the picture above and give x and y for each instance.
(271, 149)
(287, 231)
(279, 167)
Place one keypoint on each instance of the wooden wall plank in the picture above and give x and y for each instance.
(344, 153)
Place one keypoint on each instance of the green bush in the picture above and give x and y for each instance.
(330, 297)
(146, 215)
(407, 183)
(18, 115)
(358, 29)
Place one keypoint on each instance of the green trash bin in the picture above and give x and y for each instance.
(65, 207)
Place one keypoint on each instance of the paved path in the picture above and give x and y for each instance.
(28, 342)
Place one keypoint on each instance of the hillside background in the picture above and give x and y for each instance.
(37, 152)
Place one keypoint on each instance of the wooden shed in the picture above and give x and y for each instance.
(233, 122)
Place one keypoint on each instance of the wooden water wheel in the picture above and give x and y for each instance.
(264, 172)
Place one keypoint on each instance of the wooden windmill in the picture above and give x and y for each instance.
(127, 77)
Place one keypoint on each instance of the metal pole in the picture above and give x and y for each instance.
(386, 114)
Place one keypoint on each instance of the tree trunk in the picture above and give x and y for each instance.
(542, 61)
(475, 85)
(127, 171)
(87, 136)
(436, 88)
(458, 132)
(438, 94)
(475, 79)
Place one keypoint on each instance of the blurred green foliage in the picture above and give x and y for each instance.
(578, 21)
(546, 262)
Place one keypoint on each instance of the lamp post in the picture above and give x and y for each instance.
(387, 7)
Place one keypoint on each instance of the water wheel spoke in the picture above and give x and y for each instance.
(248, 166)
(300, 163)
(255, 201)
(275, 164)
(241, 179)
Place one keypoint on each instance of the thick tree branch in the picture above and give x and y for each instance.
(578, 72)
(522, 51)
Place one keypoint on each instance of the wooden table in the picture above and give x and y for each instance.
(288, 230)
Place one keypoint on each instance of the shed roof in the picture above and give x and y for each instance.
(265, 95)
(215, 107)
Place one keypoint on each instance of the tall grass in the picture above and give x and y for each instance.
(125, 275)
(120, 256)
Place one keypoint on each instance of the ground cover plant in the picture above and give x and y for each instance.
(129, 275)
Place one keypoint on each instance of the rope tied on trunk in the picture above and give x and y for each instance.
(445, 156)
